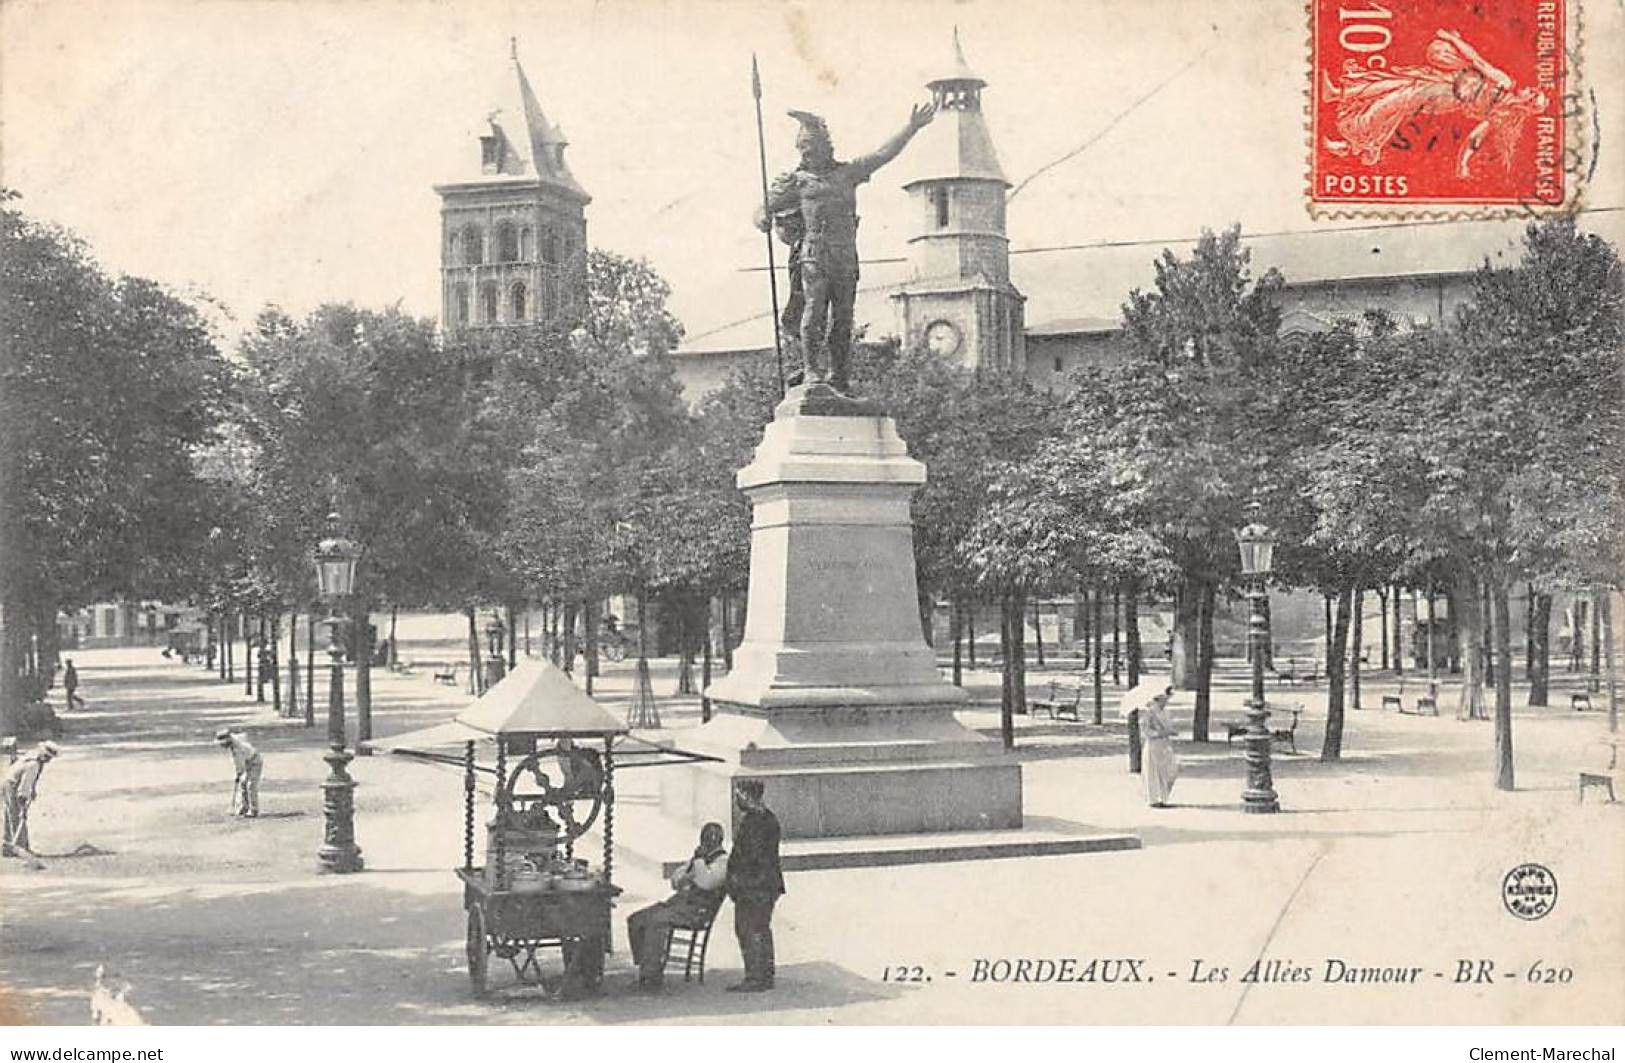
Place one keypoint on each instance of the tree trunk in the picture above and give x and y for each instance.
(1336, 660)
(1454, 646)
(970, 633)
(1357, 636)
(1097, 626)
(567, 639)
(1206, 593)
(1187, 634)
(1018, 631)
(1399, 640)
(1470, 627)
(1382, 613)
(956, 624)
(1503, 685)
(394, 648)
(1608, 652)
(1117, 636)
(364, 644)
(513, 638)
(589, 628)
(273, 647)
(1131, 622)
(1269, 634)
(259, 660)
(1038, 630)
(1577, 609)
(1007, 699)
(1433, 645)
(12, 684)
(248, 657)
(1529, 632)
(293, 663)
(728, 633)
(705, 664)
(476, 684)
(1080, 626)
(685, 654)
(1326, 600)
(1540, 640)
(1487, 605)
(1596, 642)
(310, 668)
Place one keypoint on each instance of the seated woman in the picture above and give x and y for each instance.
(696, 894)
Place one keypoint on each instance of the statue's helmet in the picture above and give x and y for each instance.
(814, 130)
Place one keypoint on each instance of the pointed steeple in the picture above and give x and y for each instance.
(547, 141)
(957, 145)
(958, 72)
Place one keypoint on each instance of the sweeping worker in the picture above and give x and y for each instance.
(21, 787)
(245, 793)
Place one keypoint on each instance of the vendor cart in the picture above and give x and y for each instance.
(551, 776)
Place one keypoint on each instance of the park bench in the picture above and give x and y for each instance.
(1393, 699)
(1580, 702)
(1604, 778)
(1234, 729)
(1426, 705)
(1057, 704)
(448, 673)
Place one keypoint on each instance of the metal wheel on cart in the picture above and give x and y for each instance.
(479, 951)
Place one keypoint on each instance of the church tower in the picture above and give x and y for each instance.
(513, 234)
(958, 299)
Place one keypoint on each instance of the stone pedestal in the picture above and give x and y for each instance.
(835, 701)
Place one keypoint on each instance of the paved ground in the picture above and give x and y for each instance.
(1393, 858)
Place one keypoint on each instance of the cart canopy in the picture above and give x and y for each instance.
(535, 699)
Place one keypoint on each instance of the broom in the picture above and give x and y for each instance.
(33, 862)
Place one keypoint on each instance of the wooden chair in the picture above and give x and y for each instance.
(1057, 704)
(1604, 778)
(692, 939)
(1289, 735)
(1234, 729)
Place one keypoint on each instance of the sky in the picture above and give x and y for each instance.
(285, 152)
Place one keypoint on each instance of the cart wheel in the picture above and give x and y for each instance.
(478, 949)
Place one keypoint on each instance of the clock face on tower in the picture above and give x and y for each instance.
(942, 338)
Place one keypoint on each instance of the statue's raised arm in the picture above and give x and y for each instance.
(918, 119)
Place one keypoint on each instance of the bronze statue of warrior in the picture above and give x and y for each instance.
(823, 191)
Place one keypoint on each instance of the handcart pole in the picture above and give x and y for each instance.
(468, 805)
(499, 844)
(609, 810)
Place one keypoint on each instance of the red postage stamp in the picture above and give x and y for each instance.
(1421, 106)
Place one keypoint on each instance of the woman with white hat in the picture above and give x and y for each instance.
(1160, 767)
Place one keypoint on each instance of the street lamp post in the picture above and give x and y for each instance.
(1257, 545)
(335, 560)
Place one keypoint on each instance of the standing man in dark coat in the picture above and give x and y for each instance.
(755, 882)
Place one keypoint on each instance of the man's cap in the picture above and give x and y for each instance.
(222, 734)
(49, 748)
